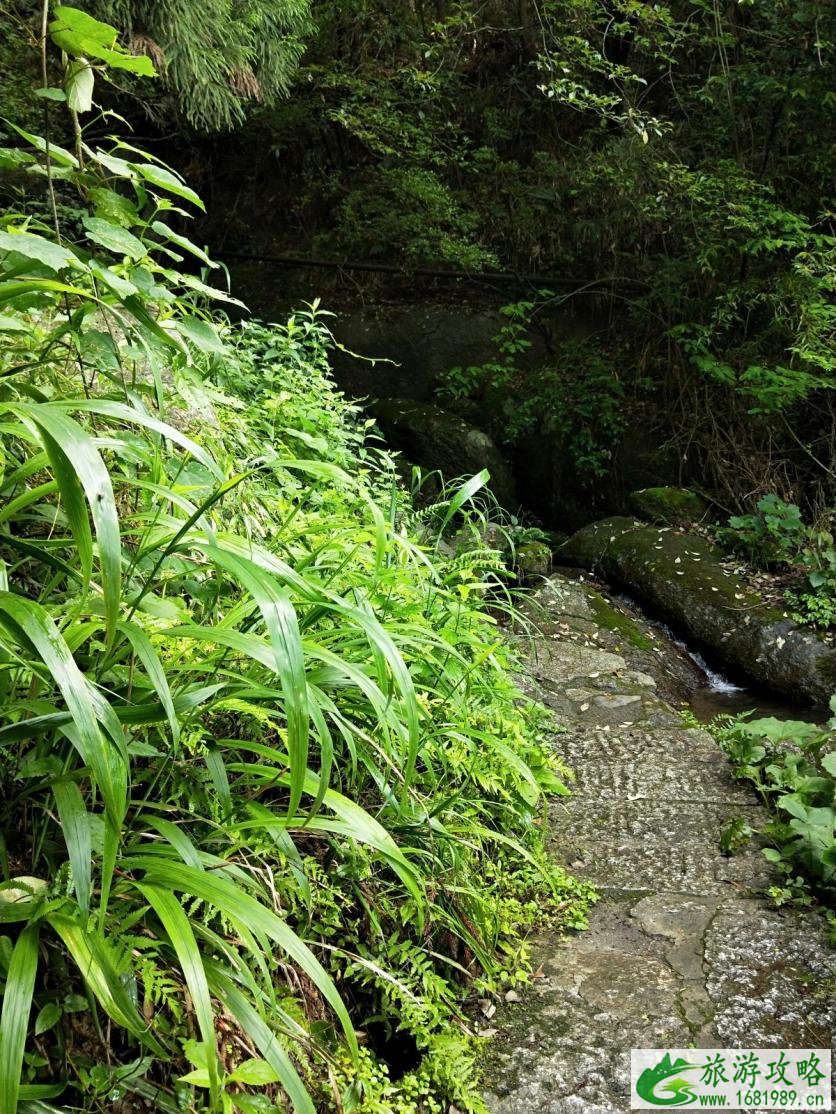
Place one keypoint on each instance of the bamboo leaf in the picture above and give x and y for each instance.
(156, 674)
(30, 618)
(66, 441)
(90, 955)
(75, 825)
(232, 900)
(265, 1041)
(283, 628)
(14, 1020)
(176, 924)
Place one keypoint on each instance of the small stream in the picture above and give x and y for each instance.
(717, 695)
(720, 696)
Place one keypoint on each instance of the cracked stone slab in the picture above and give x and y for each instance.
(682, 919)
(560, 662)
(772, 975)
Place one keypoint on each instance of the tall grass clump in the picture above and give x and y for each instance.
(272, 802)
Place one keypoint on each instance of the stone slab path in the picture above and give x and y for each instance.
(682, 950)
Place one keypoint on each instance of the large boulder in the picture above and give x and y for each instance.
(436, 439)
(681, 575)
(668, 506)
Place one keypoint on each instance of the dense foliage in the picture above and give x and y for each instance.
(777, 538)
(792, 765)
(212, 59)
(671, 164)
(272, 802)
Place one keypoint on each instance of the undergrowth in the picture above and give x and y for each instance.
(273, 806)
(777, 538)
(792, 765)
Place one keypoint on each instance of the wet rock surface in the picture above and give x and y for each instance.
(683, 949)
(682, 577)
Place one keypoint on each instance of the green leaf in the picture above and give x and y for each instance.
(119, 286)
(75, 825)
(264, 1040)
(89, 952)
(14, 1020)
(257, 1104)
(156, 674)
(13, 158)
(176, 924)
(828, 762)
(233, 901)
(76, 461)
(164, 179)
(286, 641)
(115, 238)
(117, 167)
(256, 1073)
(20, 897)
(10, 291)
(48, 1016)
(464, 495)
(134, 416)
(78, 85)
(112, 206)
(105, 762)
(68, 18)
(78, 33)
(779, 730)
(182, 241)
(198, 1078)
(202, 334)
(197, 1053)
(58, 155)
(38, 249)
(50, 94)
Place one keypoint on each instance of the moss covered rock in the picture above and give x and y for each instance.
(436, 439)
(669, 506)
(533, 560)
(681, 575)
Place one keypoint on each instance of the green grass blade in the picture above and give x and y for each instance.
(90, 955)
(464, 494)
(73, 504)
(177, 838)
(79, 449)
(37, 626)
(265, 1041)
(14, 1020)
(133, 416)
(75, 825)
(286, 641)
(182, 939)
(234, 901)
(156, 674)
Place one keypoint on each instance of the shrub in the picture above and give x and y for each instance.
(793, 766)
(776, 537)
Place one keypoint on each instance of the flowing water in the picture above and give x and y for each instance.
(720, 696)
(717, 694)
